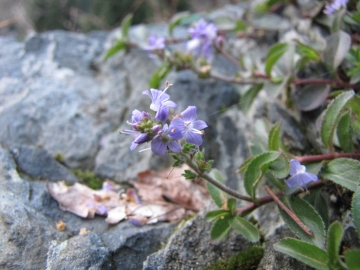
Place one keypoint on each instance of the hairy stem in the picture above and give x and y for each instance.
(291, 214)
(211, 180)
(305, 159)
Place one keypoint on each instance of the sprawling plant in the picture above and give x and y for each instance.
(294, 187)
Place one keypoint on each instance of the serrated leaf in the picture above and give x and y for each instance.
(158, 75)
(219, 196)
(306, 51)
(352, 259)
(176, 20)
(274, 180)
(243, 167)
(321, 206)
(310, 97)
(337, 46)
(119, 46)
(343, 171)
(125, 25)
(355, 210)
(332, 116)
(256, 170)
(221, 228)
(275, 142)
(344, 132)
(308, 215)
(274, 53)
(335, 235)
(280, 168)
(231, 205)
(250, 96)
(307, 253)
(216, 214)
(245, 228)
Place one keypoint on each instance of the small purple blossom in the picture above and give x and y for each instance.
(202, 36)
(155, 43)
(167, 138)
(336, 5)
(299, 176)
(160, 103)
(190, 128)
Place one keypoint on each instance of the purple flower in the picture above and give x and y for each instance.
(155, 43)
(137, 117)
(336, 5)
(299, 176)
(160, 103)
(189, 127)
(167, 138)
(202, 37)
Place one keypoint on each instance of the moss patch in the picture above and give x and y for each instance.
(89, 178)
(245, 260)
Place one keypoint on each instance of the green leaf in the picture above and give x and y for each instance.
(322, 207)
(335, 235)
(221, 228)
(275, 142)
(243, 167)
(343, 171)
(344, 132)
(307, 253)
(310, 97)
(125, 25)
(176, 20)
(256, 170)
(250, 96)
(332, 117)
(189, 175)
(274, 89)
(352, 259)
(158, 75)
(308, 215)
(337, 46)
(119, 46)
(240, 26)
(355, 210)
(281, 167)
(216, 214)
(219, 196)
(274, 180)
(307, 52)
(273, 55)
(231, 205)
(245, 228)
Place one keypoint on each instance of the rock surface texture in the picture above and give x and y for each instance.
(62, 102)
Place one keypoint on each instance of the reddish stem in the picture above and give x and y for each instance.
(291, 214)
(306, 159)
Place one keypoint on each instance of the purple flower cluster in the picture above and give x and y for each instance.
(203, 35)
(336, 5)
(164, 134)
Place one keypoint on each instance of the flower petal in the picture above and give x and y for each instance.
(199, 124)
(189, 114)
(158, 147)
(175, 147)
(296, 167)
(193, 138)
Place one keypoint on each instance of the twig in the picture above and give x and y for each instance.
(289, 212)
(211, 180)
(305, 159)
(7, 22)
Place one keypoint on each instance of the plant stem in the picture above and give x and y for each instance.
(211, 180)
(267, 199)
(291, 214)
(305, 159)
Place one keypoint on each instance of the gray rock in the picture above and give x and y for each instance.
(131, 245)
(192, 248)
(38, 163)
(85, 251)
